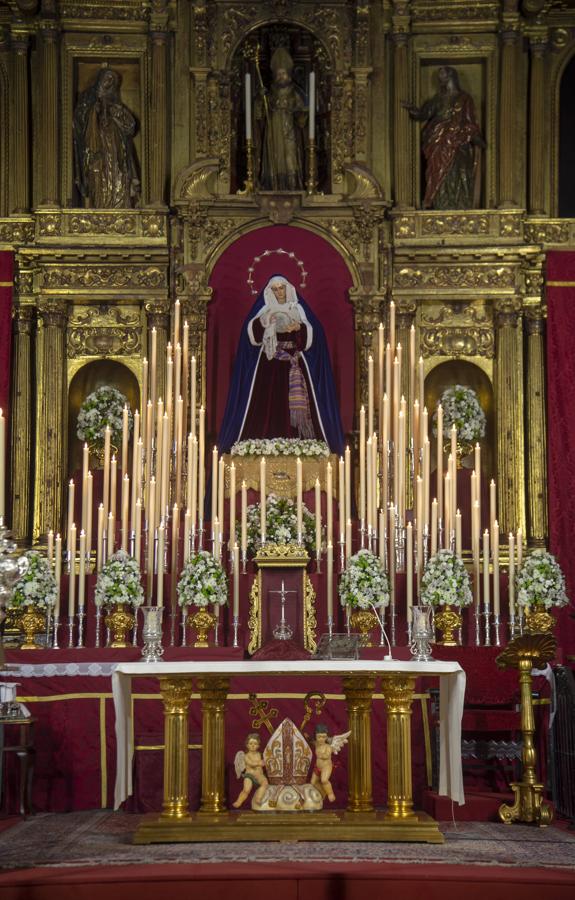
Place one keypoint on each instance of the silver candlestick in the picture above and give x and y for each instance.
(98, 625)
(81, 621)
(477, 617)
(152, 651)
(487, 616)
(330, 626)
(56, 626)
(235, 626)
(183, 626)
(496, 628)
(70, 631)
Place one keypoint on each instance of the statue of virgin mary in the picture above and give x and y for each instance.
(282, 382)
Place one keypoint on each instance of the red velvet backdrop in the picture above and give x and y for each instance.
(327, 283)
(6, 277)
(560, 289)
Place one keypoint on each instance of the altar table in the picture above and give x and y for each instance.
(360, 821)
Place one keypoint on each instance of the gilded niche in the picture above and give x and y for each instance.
(456, 330)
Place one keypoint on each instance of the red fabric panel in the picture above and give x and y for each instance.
(327, 285)
(561, 423)
(6, 280)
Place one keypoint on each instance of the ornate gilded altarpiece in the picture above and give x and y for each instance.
(91, 283)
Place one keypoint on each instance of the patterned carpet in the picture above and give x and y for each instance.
(87, 838)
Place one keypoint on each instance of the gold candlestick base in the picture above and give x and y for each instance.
(312, 168)
(249, 185)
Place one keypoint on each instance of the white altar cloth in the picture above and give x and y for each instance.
(451, 696)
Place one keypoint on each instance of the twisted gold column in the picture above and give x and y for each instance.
(213, 692)
(510, 424)
(537, 524)
(359, 690)
(23, 320)
(176, 694)
(20, 144)
(51, 440)
(398, 695)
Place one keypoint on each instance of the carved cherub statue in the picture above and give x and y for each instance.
(249, 765)
(325, 747)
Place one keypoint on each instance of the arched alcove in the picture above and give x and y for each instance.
(253, 55)
(460, 371)
(566, 181)
(325, 286)
(96, 374)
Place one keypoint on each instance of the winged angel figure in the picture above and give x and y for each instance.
(249, 765)
(325, 748)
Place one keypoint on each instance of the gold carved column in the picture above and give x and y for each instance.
(538, 145)
(176, 695)
(537, 524)
(403, 130)
(51, 429)
(213, 692)
(509, 411)
(21, 430)
(398, 695)
(20, 143)
(359, 690)
(507, 112)
(48, 162)
(158, 111)
(158, 317)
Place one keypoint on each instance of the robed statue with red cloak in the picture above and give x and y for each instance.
(282, 382)
(451, 141)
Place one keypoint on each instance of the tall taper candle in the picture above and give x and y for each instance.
(434, 525)
(248, 105)
(138, 531)
(347, 483)
(511, 574)
(71, 491)
(409, 568)
(58, 574)
(187, 532)
(194, 486)
(221, 493)
(329, 580)
(85, 463)
(50, 552)
(153, 373)
(439, 454)
(201, 463)
(380, 371)
(232, 505)
(392, 325)
(341, 499)
(381, 536)
(214, 486)
(370, 396)
(348, 545)
(216, 544)
(495, 552)
(161, 546)
(362, 466)
(486, 591)
(125, 511)
(312, 106)
(111, 535)
(72, 576)
(299, 499)
(519, 548)
(113, 485)
(100, 545)
(458, 546)
(107, 442)
(317, 517)
(193, 397)
(125, 438)
(236, 608)
(244, 535)
(175, 554)
(82, 572)
(492, 508)
(144, 397)
(263, 509)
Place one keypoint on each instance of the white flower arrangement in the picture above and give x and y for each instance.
(461, 407)
(280, 447)
(364, 584)
(119, 581)
(445, 581)
(281, 523)
(540, 580)
(202, 582)
(100, 408)
(37, 587)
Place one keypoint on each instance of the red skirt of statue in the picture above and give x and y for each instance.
(268, 414)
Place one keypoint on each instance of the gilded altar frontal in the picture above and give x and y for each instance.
(428, 144)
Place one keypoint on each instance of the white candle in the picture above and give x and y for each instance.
(317, 517)
(458, 547)
(392, 324)
(236, 609)
(187, 532)
(434, 525)
(72, 577)
(439, 453)
(248, 105)
(486, 570)
(58, 574)
(380, 369)
(221, 494)
(263, 499)
(381, 536)
(216, 544)
(492, 508)
(362, 466)
(193, 397)
(495, 551)
(511, 574)
(369, 457)
(347, 483)
(329, 580)
(175, 546)
(348, 547)
(370, 395)
(161, 545)
(341, 498)
(85, 463)
(90, 481)
(82, 572)
(50, 553)
(71, 490)
(100, 545)
(311, 106)
(111, 535)
(201, 464)
(519, 548)
(409, 567)
(125, 438)
(107, 441)
(125, 510)
(232, 505)
(153, 373)
(138, 531)
(113, 485)
(299, 498)
(214, 487)
(244, 536)
(329, 502)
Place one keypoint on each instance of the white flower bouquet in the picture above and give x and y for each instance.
(540, 581)
(37, 587)
(364, 584)
(280, 447)
(445, 581)
(119, 581)
(100, 408)
(203, 581)
(281, 523)
(461, 407)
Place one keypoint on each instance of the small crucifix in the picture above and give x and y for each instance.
(283, 631)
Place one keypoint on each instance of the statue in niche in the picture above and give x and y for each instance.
(280, 114)
(282, 382)
(451, 141)
(105, 157)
